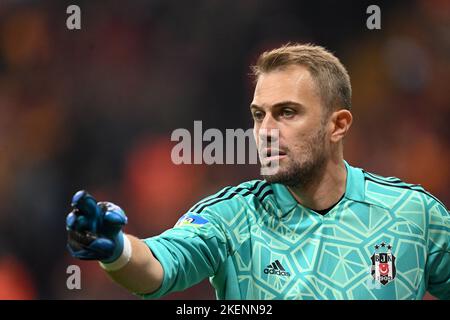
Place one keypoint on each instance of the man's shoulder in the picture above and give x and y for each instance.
(393, 192)
(232, 198)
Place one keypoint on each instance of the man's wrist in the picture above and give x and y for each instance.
(123, 258)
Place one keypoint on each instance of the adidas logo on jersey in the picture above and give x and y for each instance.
(277, 269)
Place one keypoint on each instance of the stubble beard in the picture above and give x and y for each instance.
(300, 173)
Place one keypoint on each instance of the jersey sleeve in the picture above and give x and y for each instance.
(191, 251)
(438, 262)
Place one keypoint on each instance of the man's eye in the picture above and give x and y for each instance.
(258, 115)
(287, 113)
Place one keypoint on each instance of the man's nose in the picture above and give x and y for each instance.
(268, 131)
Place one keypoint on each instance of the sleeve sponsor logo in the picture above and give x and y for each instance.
(191, 219)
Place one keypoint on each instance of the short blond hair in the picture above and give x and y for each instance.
(330, 76)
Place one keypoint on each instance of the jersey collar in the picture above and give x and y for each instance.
(354, 190)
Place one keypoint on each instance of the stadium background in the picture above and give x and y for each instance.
(95, 108)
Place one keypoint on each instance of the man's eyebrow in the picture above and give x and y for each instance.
(279, 105)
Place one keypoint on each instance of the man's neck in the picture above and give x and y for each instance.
(326, 189)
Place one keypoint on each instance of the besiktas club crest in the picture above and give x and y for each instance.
(383, 264)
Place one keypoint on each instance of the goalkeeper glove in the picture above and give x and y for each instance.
(95, 229)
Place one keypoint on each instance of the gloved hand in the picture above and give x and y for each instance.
(95, 229)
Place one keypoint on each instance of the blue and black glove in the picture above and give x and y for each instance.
(95, 229)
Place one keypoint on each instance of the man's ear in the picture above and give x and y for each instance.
(341, 121)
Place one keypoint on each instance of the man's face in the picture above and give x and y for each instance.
(287, 100)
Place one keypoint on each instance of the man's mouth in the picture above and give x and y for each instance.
(270, 154)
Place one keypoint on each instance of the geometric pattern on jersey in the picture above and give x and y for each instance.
(257, 226)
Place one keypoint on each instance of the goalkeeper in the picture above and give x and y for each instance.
(318, 228)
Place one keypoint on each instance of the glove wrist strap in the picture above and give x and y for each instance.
(122, 260)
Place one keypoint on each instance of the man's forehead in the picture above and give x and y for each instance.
(289, 83)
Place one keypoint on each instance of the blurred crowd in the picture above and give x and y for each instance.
(95, 108)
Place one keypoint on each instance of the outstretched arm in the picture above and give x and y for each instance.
(143, 274)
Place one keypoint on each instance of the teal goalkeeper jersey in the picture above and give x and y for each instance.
(385, 239)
